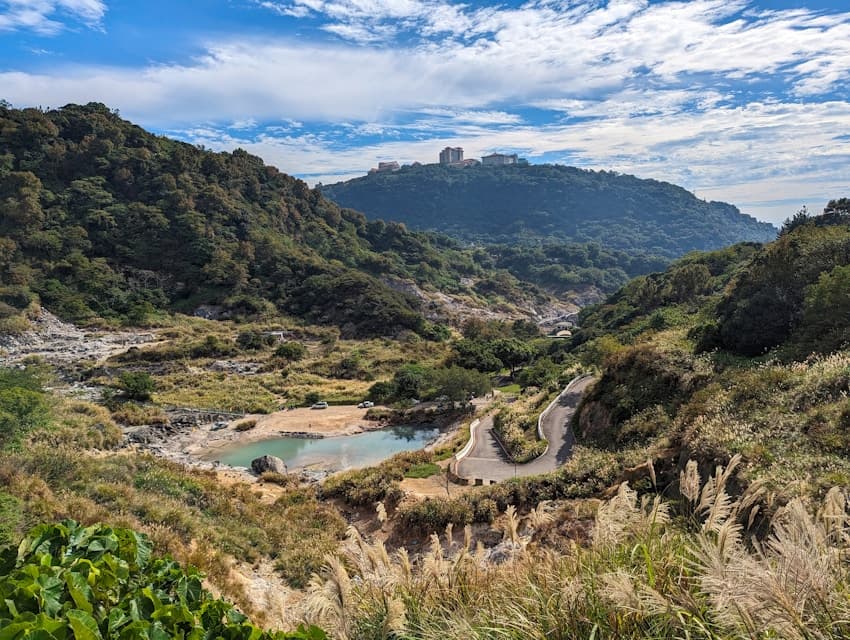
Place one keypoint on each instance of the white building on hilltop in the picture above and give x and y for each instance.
(500, 158)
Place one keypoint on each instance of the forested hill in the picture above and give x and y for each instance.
(509, 202)
(101, 220)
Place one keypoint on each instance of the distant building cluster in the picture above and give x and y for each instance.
(453, 157)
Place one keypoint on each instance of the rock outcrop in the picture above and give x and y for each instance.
(264, 464)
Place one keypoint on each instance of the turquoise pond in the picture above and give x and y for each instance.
(343, 452)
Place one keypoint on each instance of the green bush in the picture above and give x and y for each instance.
(365, 487)
(93, 583)
(433, 514)
(23, 405)
(245, 425)
(137, 385)
(254, 340)
(11, 516)
(291, 351)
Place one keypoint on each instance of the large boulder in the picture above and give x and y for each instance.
(268, 463)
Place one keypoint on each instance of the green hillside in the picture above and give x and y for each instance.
(550, 201)
(739, 351)
(100, 220)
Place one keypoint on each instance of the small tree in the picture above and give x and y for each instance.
(291, 351)
(137, 385)
(514, 353)
(457, 383)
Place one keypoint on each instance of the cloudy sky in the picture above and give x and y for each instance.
(736, 100)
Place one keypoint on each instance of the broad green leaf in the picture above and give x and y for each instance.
(117, 619)
(79, 590)
(51, 592)
(83, 625)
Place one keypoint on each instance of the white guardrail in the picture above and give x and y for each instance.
(551, 406)
(460, 455)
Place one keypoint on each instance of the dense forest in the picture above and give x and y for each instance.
(507, 203)
(100, 220)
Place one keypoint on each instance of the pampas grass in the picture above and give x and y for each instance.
(645, 574)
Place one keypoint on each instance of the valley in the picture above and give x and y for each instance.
(554, 439)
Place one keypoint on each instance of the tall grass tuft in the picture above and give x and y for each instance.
(702, 573)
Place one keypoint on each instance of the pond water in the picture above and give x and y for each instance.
(338, 453)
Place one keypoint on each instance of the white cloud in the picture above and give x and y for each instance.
(768, 159)
(711, 94)
(46, 16)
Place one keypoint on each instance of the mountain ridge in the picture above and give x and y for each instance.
(506, 203)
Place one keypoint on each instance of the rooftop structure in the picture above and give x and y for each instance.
(451, 155)
(384, 167)
(500, 158)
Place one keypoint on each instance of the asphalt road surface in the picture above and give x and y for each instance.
(488, 462)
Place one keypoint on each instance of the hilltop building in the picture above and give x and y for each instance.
(500, 158)
(384, 167)
(451, 155)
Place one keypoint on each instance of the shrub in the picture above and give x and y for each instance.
(10, 518)
(254, 340)
(282, 479)
(137, 385)
(245, 425)
(365, 487)
(433, 514)
(291, 351)
(134, 414)
(20, 411)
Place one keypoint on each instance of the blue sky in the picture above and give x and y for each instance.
(736, 100)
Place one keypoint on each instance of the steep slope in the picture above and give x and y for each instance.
(100, 220)
(551, 201)
(740, 351)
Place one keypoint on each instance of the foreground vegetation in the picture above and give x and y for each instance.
(95, 583)
(704, 565)
(59, 462)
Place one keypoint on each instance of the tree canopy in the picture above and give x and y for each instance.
(510, 203)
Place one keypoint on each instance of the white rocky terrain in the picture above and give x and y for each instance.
(61, 343)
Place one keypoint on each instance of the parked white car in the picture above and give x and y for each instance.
(366, 404)
(320, 405)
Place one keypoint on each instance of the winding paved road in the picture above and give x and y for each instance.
(488, 462)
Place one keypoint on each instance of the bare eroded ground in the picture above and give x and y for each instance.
(61, 343)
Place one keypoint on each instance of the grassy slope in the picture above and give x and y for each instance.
(665, 383)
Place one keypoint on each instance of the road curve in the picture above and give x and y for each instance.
(487, 461)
